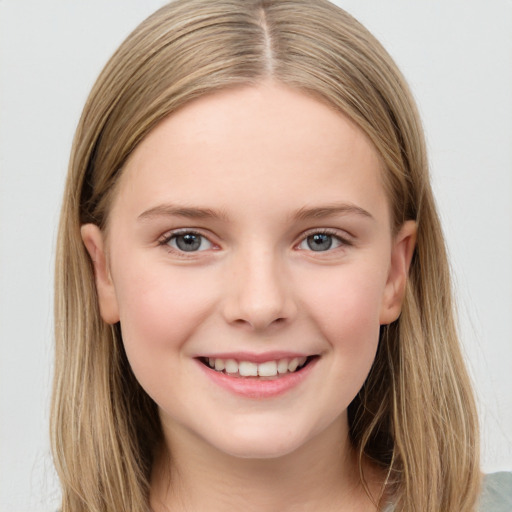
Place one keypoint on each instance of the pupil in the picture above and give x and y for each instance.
(188, 242)
(319, 242)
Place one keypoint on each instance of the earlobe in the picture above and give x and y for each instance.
(94, 242)
(401, 256)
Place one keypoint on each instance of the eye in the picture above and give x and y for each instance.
(188, 241)
(321, 242)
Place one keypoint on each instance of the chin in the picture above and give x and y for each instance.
(266, 442)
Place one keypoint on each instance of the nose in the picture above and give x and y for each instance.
(259, 294)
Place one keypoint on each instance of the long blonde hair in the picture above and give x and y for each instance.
(415, 415)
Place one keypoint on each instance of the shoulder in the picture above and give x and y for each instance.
(496, 493)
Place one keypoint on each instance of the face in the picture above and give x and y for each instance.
(250, 261)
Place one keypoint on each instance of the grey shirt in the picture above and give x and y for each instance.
(496, 493)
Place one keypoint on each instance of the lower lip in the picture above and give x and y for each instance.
(255, 387)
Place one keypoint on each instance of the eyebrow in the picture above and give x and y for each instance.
(170, 210)
(305, 213)
(331, 210)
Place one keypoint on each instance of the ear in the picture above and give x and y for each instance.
(401, 256)
(94, 241)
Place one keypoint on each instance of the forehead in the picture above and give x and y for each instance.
(268, 144)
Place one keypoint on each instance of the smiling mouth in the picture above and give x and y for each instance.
(266, 370)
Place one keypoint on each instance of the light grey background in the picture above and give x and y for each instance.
(457, 56)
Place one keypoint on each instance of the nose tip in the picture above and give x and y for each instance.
(260, 298)
(258, 316)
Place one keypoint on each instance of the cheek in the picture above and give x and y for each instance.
(355, 289)
(347, 310)
(159, 311)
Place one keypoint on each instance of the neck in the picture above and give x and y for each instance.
(314, 477)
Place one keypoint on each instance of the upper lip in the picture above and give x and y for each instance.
(254, 357)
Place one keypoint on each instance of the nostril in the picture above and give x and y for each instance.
(259, 324)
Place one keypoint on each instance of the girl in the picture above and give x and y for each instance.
(253, 306)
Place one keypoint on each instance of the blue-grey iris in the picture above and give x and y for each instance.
(188, 242)
(319, 242)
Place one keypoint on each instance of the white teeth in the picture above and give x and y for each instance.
(292, 365)
(268, 369)
(282, 366)
(247, 369)
(250, 369)
(231, 366)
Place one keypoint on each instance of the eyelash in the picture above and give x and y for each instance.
(335, 234)
(168, 237)
(173, 235)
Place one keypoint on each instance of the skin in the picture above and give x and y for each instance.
(255, 171)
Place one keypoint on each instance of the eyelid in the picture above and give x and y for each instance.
(345, 238)
(164, 240)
